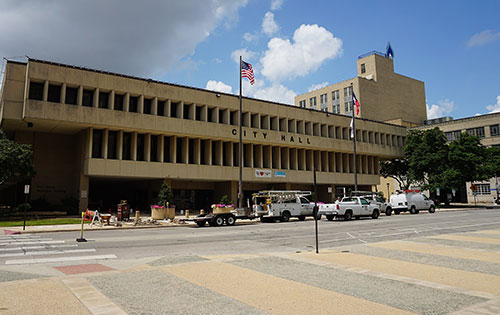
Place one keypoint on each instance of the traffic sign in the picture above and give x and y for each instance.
(473, 187)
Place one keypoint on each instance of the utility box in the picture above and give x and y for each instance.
(123, 211)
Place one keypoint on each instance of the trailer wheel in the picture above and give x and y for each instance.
(262, 219)
(230, 220)
(285, 216)
(330, 217)
(388, 211)
(219, 221)
(301, 217)
(200, 223)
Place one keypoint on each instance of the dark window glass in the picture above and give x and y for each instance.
(97, 144)
(88, 98)
(480, 132)
(119, 100)
(198, 113)
(103, 99)
(71, 95)
(160, 111)
(36, 91)
(54, 95)
(132, 106)
(147, 105)
(173, 110)
(166, 149)
(127, 146)
(203, 147)
(179, 151)
(112, 144)
(140, 147)
(186, 111)
(494, 130)
(153, 154)
(363, 69)
(191, 151)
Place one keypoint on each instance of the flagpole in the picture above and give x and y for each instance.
(354, 142)
(240, 148)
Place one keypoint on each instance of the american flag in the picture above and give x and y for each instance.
(247, 72)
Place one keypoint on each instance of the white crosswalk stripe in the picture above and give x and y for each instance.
(15, 246)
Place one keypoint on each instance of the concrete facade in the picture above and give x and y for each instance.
(383, 94)
(486, 127)
(101, 137)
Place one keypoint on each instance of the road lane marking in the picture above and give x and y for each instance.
(440, 250)
(57, 259)
(474, 239)
(259, 290)
(35, 247)
(33, 243)
(453, 277)
(50, 252)
(494, 232)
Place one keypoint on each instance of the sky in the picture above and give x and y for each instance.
(453, 46)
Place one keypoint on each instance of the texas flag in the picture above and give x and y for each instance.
(356, 102)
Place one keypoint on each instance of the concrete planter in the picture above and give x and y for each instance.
(218, 210)
(162, 213)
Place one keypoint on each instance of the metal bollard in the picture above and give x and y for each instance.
(187, 213)
(137, 215)
(202, 211)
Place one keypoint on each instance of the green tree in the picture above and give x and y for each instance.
(15, 159)
(492, 162)
(165, 195)
(397, 169)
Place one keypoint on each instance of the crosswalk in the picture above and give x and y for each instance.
(34, 249)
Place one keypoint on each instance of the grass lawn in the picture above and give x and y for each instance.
(41, 222)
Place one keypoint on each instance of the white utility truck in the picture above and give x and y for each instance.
(411, 200)
(348, 208)
(270, 205)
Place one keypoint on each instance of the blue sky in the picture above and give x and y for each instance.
(453, 46)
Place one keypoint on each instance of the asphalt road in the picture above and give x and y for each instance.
(253, 237)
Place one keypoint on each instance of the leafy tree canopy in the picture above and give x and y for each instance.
(15, 159)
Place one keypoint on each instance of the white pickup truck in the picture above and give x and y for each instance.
(348, 208)
(282, 204)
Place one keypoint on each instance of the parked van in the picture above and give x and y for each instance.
(411, 200)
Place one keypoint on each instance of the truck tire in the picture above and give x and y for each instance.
(413, 210)
(318, 216)
(432, 209)
(230, 220)
(285, 216)
(330, 217)
(301, 217)
(417, 211)
(200, 223)
(219, 221)
(388, 211)
(348, 215)
(375, 214)
(396, 211)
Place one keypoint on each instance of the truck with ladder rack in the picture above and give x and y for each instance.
(270, 205)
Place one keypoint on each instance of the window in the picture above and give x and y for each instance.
(54, 95)
(480, 132)
(119, 101)
(132, 106)
(97, 143)
(312, 102)
(483, 189)
(323, 102)
(363, 69)
(494, 130)
(36, 91)
(160, 111)
(453, 135)
(147, 106)
(88, 98)
(348, 99)
(127, 146)
(103, 99)
(71, 95)
(140, 146)
(112, 144)
(302, 103)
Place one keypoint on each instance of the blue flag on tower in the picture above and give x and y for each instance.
(388, 51)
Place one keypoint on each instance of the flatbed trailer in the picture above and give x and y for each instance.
(219, 219)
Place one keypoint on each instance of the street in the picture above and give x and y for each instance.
(437, 263)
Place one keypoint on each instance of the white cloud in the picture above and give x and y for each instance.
(318, 86)
(442, 108)
(312, 45)
(245, 54)
(249, 37)
(274, 93)
(276, 4)
(132, 37)
(269, 26)
(483, 38)
(218, 86)
(495, 108)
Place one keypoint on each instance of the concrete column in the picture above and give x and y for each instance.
(140, 106)
(209, 149)
(173, 147)
(181, 109)
(161, 148)
(147, 147)
(185, 149)
(45, 90)
(112, 100)
(120, 145)
(134, 146)
(154, 106)
(89, 142)
(196, 152)
(96, 98)
(105, 143)
(63, 93)
(168, 103)
(126, 102)
(80, 96)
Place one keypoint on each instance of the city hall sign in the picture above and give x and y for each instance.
(263, 135)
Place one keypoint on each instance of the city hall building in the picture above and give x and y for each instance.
(101, 137)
